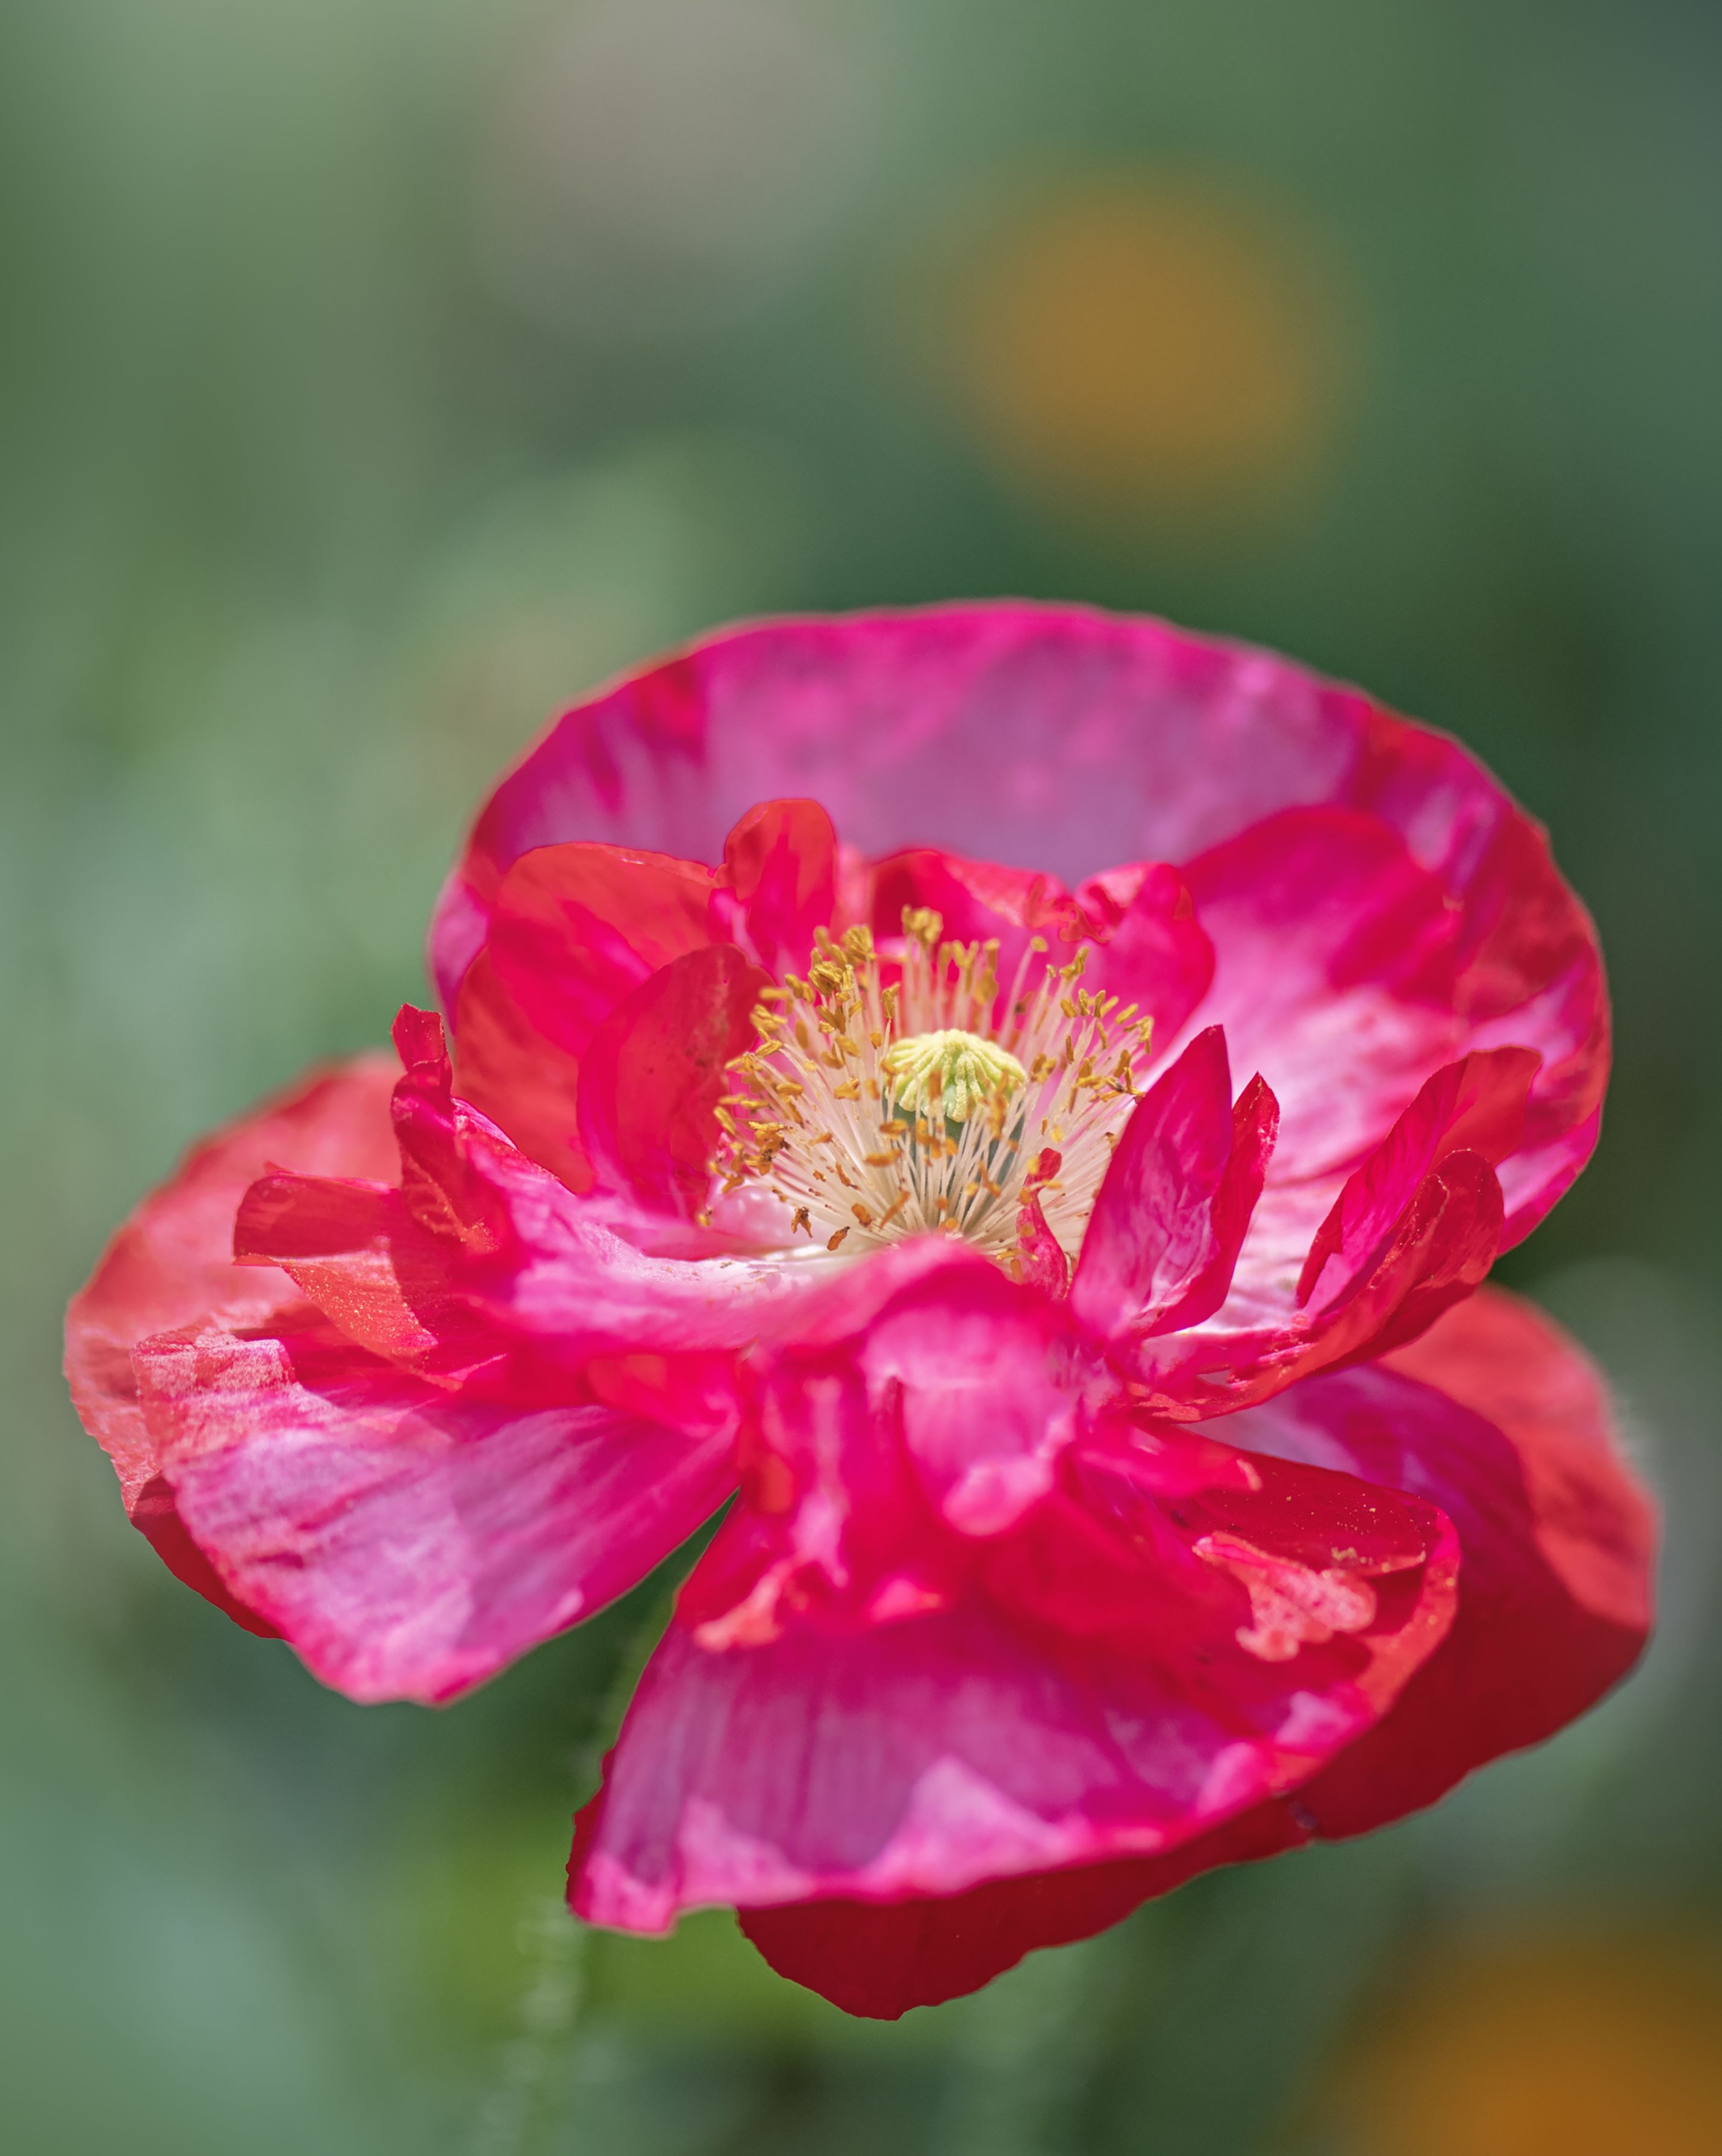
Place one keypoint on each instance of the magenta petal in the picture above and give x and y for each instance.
(654, 1071)
(1129, 1663)
(913, 1759)
(1042, 1259)
(1475, 1105)
(1170, 1217)
(1149, 948)
(922, 1755)
(407, 1543)
(1333, 963)
(1412, 1230)
(973, 1363)
(932, 729)
(920, 1404)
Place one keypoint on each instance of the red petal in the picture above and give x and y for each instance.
(1497, 1418)
(574, 930)
(1169, 1223)
(780, 862)
(880, 1958)
(655, 1069)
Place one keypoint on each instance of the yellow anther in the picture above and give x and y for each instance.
(922, 925)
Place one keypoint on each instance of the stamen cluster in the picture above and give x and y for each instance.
(874, 1108)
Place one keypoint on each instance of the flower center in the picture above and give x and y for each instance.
(950, 1073)
(874, 1108)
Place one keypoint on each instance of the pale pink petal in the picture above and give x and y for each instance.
(171, 1265)
(408, 1543)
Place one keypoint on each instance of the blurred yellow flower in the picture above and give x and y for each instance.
(1132, 343)
(1553, 2047)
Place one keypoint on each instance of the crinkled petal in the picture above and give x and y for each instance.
(409, 1492)
(1414, 1227)
(923, 1400)
(408, 1543)
(973, 1365)
(171, 1265)
(1166, 1229)
(1153, 1646)
(1497, 1417)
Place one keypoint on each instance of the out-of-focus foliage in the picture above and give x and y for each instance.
(377, 375)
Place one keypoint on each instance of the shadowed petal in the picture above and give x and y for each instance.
(880, 1958)
(1496, 1416)
(780, 882)
(574, 929)
(655, 1069)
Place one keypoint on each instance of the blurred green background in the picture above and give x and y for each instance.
(377, 375)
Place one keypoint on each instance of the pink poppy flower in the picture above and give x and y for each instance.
(1024, 1100)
